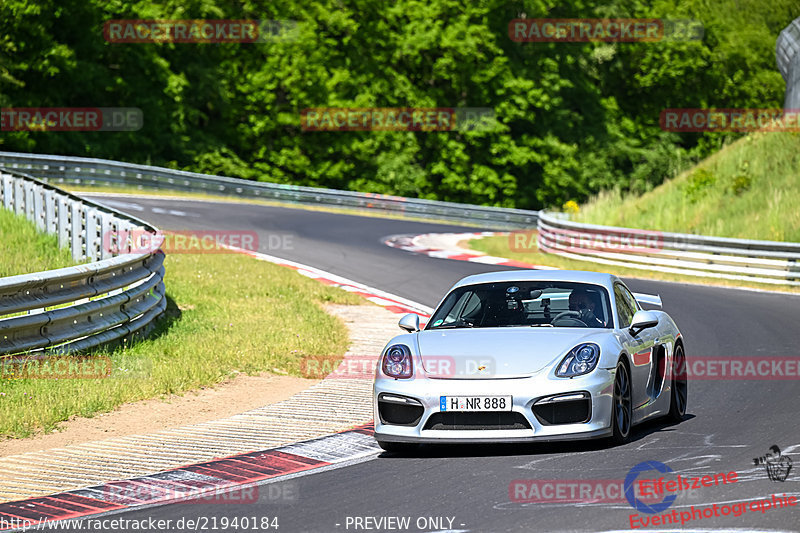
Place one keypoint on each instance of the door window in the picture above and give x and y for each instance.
(626, 305)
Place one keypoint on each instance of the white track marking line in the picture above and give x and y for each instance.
(316, 272)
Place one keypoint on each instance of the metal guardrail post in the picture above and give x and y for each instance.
(63, 221)
(90, 233)
(76, 231)
(38, 207)
(106, 235)
(50, 212)
(19, 198)
(29, 209)
(7, 191)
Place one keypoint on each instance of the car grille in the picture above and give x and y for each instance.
(567, 412)
(466, 421)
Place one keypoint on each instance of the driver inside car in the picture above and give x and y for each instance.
(580, 300)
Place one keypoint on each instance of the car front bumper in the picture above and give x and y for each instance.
(525, 392)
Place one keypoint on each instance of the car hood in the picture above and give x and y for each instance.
(488, 353)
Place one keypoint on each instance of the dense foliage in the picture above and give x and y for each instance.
(575, 117)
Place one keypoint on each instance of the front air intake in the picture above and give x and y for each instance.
(573, 408)
(477, 421)
(399, 410)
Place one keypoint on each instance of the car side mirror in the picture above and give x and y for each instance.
(641, 321)
(409, 322)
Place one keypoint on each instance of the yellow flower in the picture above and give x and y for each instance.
(571, 207)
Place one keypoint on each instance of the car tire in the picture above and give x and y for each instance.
(679, 389)
(396, 447)
(622, 405)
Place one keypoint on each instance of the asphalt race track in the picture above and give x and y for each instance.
(467, 488)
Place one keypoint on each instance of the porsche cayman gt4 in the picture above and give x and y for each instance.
(530, 356)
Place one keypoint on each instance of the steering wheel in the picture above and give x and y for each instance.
(574, 314)
(571, 316)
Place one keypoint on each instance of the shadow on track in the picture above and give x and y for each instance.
(535, 448)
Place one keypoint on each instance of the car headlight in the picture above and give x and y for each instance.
(582, 359)
(397, 362)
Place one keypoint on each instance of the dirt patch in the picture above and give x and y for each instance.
(149, 416)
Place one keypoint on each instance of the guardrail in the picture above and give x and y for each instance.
(115, 297)
(79, 170)
(680, 253)
(757, 261)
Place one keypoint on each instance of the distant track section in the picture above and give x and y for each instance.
(80, 170)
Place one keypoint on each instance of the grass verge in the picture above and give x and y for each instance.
(25, 250)
(748, 190)
(227, 314)
(499, 246)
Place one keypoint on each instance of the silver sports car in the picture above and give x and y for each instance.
(530, 355)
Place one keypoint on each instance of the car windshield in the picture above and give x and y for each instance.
(524, 304)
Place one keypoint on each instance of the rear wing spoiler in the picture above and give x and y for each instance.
(649, 299)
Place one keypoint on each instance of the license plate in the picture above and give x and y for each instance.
(474, 403)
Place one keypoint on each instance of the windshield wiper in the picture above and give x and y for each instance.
(542, 326)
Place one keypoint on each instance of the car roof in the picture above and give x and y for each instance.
(577, 276)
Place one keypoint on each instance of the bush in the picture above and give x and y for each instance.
(699, 181)
(741, 184)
